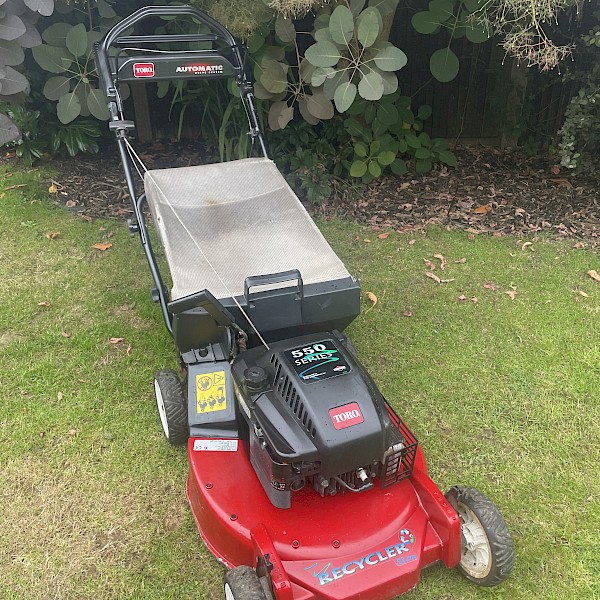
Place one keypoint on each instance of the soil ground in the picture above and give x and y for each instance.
(489, 191)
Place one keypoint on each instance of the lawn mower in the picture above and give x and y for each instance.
(303, 480)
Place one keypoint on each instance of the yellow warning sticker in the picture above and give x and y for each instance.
(210, 392)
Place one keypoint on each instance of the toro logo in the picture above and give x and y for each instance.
(143, 70)
(346, 416)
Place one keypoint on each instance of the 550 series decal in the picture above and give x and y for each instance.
(319, 361)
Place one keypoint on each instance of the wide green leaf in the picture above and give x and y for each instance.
(358, 168)
(476, 33)
(447, 158)
(13, 82)
(390, 82)
(424, 112)
(390, 58)
(11, 27)
(423, 166)
(285, 30)
(374, 168)
(280, 114)
(341, 25)
(320, 106)
(360, 150)
(56, 34)
(77, 40)
(11, 52)
(274, 76)
(371, 86)
(96, 103)
(331, 84)
(444, 65)
(344, 96)
(442, 9)
(384, 7)
(425, 22)
(354, 127)
(386, 157)
(422, 153)
(105, 10)
(68, 108)
(368, 26)
(52, 58)
(323, 54)
(320, 74)
(387, 113)
(303, 106)
(44, 7)
(9, 132)
(356, 6)
(399, 167)
(306, 70)
(255, 42)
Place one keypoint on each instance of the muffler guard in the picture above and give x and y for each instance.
(372, 544)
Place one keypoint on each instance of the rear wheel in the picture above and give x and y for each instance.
(171, 405)
(242, 583)
(488, 554)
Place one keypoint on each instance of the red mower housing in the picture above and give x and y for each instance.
(369, 545)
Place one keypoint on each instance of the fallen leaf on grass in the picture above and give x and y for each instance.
(14, 187)
(129, 349)
(526, 244)
(373, 298)
(512, 294)
(53, 189)
(412, 242)
(594, 275)
(52, 235)
(70, 203)
(44, 303)
(461, 261)
(116, 340)
(433, 276)
(65, 334)
(366, 241)
(462, 298)
(102, 247)
(429, 264)
(579, 246)
(383, 236)
(72, 431)
(490, 286)
(407, 313)
(86, 218)
(442, 260)
(582, 293)
(561, 182)
(59, 396)
(482, 209)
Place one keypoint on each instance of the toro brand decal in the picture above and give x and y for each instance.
(200, 69)
(319, 361)
(210, 392)
(401, 552)
(346, 416)
(143, 69)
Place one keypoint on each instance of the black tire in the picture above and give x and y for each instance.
(172, 408)
(487, 553)
(242, 583)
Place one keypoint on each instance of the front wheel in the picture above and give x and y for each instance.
(487, 553)
(171, 405)
(243, 583)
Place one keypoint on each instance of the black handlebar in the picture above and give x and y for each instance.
(114, 38)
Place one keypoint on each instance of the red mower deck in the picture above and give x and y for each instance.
(369, 545)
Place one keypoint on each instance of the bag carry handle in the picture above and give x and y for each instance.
(272, 278)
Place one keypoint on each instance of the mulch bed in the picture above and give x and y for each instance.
(490, 191)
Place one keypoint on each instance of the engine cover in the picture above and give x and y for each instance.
(314, 414)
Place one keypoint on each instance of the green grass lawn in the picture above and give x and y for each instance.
(502, 392)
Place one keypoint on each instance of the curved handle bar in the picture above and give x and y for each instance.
(164, 11)
(111, 37)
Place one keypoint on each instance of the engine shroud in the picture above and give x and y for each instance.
(315, 416)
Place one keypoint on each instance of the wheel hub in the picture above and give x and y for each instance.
(476, 552)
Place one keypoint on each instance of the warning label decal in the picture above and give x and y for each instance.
(211, 394)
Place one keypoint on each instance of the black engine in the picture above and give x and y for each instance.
(315, 417)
